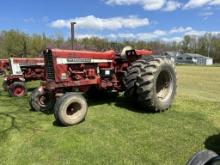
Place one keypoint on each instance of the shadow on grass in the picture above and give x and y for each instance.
(47, 112)
(123, 102)
(12, 125)
(31, 89)
(102, 99)
(93, 100)
(120, 101)
(213, 143)
(58, 124)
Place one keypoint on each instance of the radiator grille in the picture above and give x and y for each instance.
(49, 65)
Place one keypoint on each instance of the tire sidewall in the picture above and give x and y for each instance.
(171, 71)
(57, 104)
(13, 86)
(35, 104)
(78, 116)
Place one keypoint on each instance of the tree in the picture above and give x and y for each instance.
(20, 44)
(14, 43)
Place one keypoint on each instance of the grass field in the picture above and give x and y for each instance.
(115, 132)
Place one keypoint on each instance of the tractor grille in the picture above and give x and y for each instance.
(49, 65)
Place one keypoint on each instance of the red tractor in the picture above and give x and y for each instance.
(146, 79)
(4, 66)
(23, 70)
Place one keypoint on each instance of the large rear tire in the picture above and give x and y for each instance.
(70, 109)
(151, 83)
(41, 100)
(17, 89)
(202, 158)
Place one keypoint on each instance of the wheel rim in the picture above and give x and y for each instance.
(44, 100)
(164, 85)
(73, 108)
(19, 91)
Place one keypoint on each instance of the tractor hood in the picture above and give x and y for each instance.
(57, 53)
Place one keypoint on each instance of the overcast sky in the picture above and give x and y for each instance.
(113, 19)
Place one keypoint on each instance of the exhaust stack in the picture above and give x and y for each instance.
(72, 33)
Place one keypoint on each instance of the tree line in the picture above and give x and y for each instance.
(19, 44)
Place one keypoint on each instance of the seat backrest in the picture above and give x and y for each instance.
(125, 49)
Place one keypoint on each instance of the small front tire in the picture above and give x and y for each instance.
(4, 85)
(41, 100)
(70, 109)
(17, 89)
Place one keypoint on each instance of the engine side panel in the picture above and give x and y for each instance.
(82, 69)
(73, 69)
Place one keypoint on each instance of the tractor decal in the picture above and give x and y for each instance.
(80, 60)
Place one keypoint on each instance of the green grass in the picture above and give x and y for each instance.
(115, 132)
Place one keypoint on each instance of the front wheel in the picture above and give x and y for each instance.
(70, 109)
(41, 100)
(5, 85)
(17, 89)
(3, 73)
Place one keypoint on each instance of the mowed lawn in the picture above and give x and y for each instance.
(115, 132)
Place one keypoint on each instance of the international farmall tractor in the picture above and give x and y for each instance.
(4, 66)
(147, 80)
(23, 70)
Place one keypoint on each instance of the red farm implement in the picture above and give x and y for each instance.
(23, 70)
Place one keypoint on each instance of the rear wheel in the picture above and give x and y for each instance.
(41, 100)
(70, 109)
(151, 83)
(17, 89)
